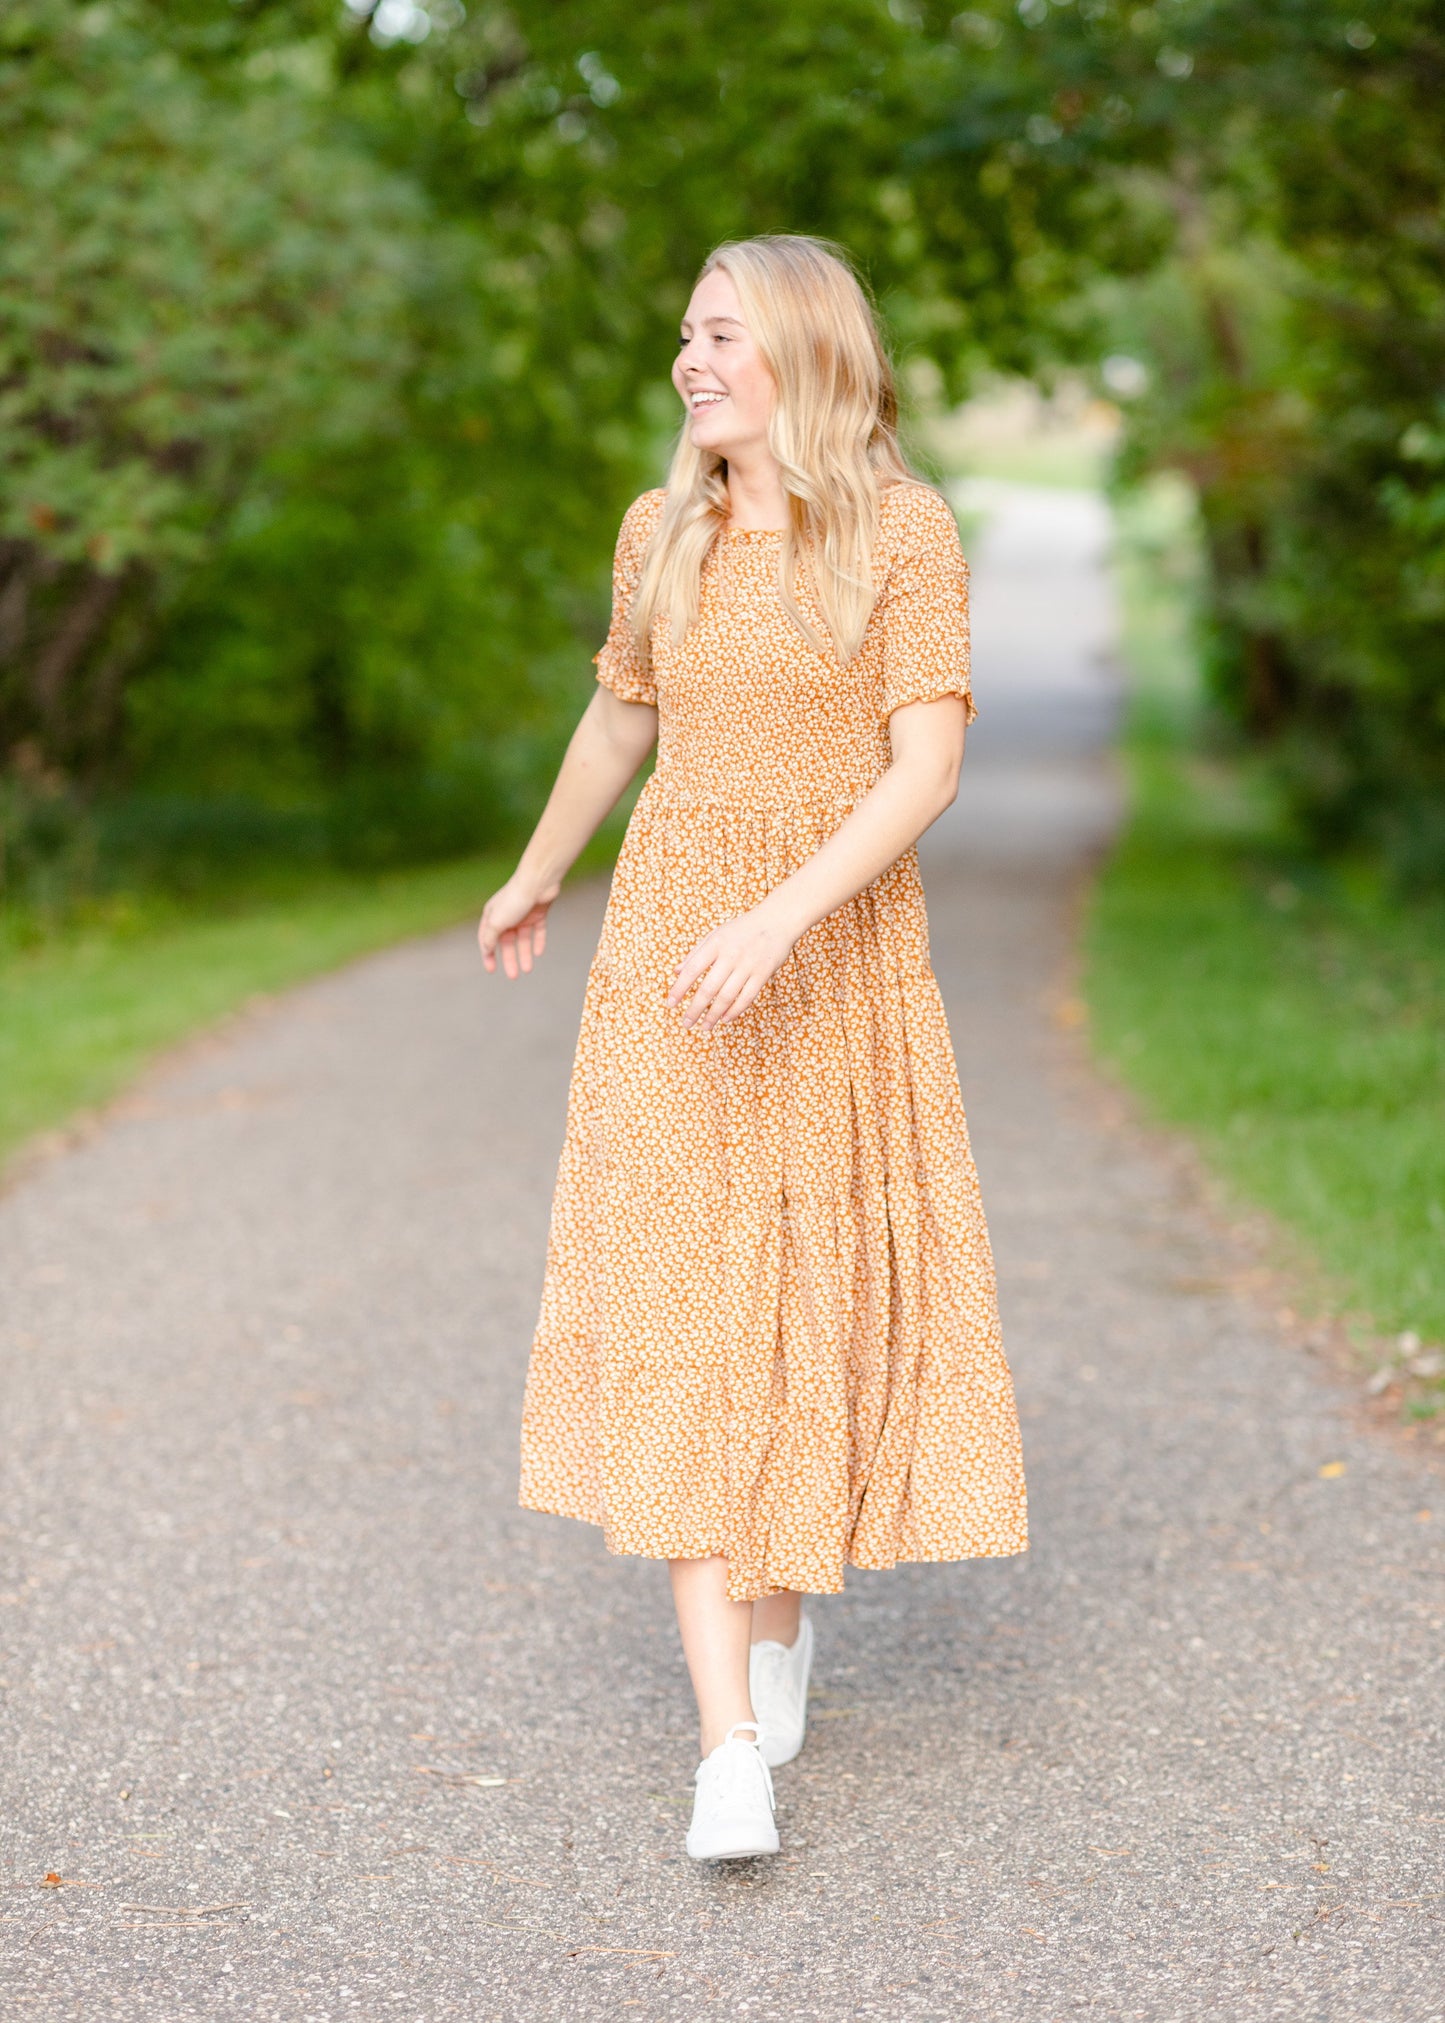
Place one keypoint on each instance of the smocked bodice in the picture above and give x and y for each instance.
(747, 709)
(751, 712)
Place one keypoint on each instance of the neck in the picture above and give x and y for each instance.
(756, 499)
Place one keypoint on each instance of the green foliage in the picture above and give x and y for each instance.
(334, 340)
(1291, 1016)
(337, 344)
(1258, 186)
(186, 276)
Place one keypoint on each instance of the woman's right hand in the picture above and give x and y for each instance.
(514, 923)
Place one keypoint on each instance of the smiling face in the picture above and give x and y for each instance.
(725, 385)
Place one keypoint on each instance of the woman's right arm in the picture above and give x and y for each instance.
(607, 747)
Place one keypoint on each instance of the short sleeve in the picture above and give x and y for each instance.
(619, 663)
(925, 602)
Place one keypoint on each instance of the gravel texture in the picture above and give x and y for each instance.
(277, 1638)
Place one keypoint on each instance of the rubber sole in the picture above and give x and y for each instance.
(735, 1853)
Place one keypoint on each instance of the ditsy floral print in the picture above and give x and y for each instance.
(769, 1327)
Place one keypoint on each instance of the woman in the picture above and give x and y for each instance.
(769, 1339)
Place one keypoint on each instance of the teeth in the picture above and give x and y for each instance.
(707, 399)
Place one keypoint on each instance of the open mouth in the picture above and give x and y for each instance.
(700, 402)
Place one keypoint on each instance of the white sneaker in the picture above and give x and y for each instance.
(778, 1688)
(732, 1815)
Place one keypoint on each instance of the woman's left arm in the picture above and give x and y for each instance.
(728, 968)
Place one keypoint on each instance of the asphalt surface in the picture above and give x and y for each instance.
(278, 1640)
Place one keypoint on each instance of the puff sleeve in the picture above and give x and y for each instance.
(619, 664)
(925, 603)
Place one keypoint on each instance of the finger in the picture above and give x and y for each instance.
(701, 994)
(721, 1009)
(509, 954)
(692, 968)
(713, 986)
(741, 1002)
(524, 948)
(688, 972)
(539, 936)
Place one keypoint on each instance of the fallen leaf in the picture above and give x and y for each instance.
(1333, 1468)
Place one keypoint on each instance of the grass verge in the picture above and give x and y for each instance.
(1289, 1016)
(85, 1010)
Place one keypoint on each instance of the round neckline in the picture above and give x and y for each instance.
(753, 533)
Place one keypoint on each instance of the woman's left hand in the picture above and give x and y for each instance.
(730, 966)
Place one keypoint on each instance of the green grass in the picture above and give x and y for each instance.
(1290, 1016)
(85, 1008)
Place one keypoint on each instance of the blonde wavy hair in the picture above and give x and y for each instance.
(833, 430)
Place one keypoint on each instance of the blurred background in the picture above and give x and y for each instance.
(335, 341)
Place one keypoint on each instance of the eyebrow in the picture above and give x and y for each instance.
(737, 320)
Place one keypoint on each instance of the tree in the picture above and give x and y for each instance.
(1257, 185)
(186, 278)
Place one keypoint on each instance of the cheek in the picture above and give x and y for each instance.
(757, 392)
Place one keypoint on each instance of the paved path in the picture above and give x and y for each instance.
(276, 1627)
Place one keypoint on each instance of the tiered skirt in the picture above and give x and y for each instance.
(769, 1325)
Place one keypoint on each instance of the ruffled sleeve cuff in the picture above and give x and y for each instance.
(925, 605)
(619, 662)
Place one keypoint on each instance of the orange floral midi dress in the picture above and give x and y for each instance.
(769, 1327)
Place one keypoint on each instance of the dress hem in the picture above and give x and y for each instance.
(756, 1593)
